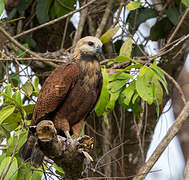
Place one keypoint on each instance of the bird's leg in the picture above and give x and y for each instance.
(77, 128)
(67, 134)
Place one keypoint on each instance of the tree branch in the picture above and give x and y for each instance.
(173, 130)
(105, 18)
(70, 156)
(29, 52)
(55, 20)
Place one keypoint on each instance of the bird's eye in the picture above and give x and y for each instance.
(90, 43)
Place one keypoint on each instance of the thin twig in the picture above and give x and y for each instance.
(104, 18)
(81, 25)
(176, 85)
(65, 31)
(54, 21)
(13, 154)
(32, 59)
(109, 152)
(178, 26)
(119, 12)
(16, 43)
(173, 130)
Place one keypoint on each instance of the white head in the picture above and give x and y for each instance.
(88, 45)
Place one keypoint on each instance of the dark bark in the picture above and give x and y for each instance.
(72, 156)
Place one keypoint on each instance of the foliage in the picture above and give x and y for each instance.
(126, 86)
(129, 85)
(13, 115)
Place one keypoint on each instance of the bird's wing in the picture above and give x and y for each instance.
(54, 90)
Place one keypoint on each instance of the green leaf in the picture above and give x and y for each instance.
(113, 98)
(143, 70)
(4, 132)
(15, 79)
(173, 15)
(17, 97)
(2, 7)
(42, 9)
(106, 120)
(28, 109)
(8, 92)
(144, 87)
(108, 35)
(35, 84)
(63, 7)
(134, 97)
(27, 88)
(186, 2)
(104, 97)
(133, 5)
(158, 90)
(126, 48)
(12, 173)
(160, 75)
(12, 122)
(29, 40)
(122, 59)
(120, 76)
(143, 14)
(59, 169)
(24, 172)
(20, 53)
(6, 112)
(116, 85)
(128, 92)
(157, 32)
(12, 141)
(136, 66)
(23, 5)
(36, 175)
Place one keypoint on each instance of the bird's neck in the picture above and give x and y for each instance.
(90, 71)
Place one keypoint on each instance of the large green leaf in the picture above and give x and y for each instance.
(42, 10)
(120, 76)
(116, 85)
(28, 109)
(108, 35)
(27, 88)
(186, 2)
(122, 59)
(8, 92)
(6, 112)
(17, 97)
(126, 48)
(157, 32)
(143, 14)
(173, 15)
(23, 5)
(12, 122)
(12, 173)
(62, 7)
(160, 75)
(2, 7)
(113, 98)
(145, 88)
(128, 92)
(104, 97)
(13, 140)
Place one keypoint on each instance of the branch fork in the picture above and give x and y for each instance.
(71, 156)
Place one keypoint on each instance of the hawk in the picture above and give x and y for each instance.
(68, 95)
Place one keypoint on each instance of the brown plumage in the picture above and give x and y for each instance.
(68, 95)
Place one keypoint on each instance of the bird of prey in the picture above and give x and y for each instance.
(68, 95)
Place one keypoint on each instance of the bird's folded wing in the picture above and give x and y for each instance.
(54, 90)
